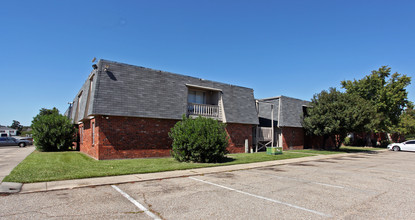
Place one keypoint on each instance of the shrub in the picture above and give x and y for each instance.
(359, 142)
(347, 141)
(52, 131)
(384, 143)
(199, 140)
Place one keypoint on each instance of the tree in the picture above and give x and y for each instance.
(388, 96)
(45, 111)
(406, 125)
(52, 131)
(199, 140)
(334, 114)
(16, 125)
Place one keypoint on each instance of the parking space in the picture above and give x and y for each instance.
(85, 203)
(362, 186)
(365, 186)
(11, 156)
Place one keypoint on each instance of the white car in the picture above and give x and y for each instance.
(407, 146)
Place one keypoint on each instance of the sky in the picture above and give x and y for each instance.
(291, 48)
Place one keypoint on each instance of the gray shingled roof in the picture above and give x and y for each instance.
(127, 90)
(290, 114)
(7, 128)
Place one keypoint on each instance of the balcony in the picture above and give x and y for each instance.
(264, 134)
(211, 111)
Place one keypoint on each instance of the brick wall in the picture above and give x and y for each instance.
(128, 137)
(85, 138)
(292, 138)
(237, 135)
(313, 142)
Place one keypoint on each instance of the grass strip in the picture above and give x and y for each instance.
(52, 166)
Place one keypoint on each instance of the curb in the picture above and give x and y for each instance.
(133, 178)
(10, 187)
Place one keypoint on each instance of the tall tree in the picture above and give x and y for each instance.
(16, 125)
(385, 92)
(406, 125)
(334, 114)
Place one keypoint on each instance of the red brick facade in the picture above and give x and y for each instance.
(292, 138)
(129, 137)
(237, 135)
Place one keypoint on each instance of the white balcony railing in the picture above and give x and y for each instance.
(264, 134)
(203, 110)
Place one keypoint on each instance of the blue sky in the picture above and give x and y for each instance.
(291, 48)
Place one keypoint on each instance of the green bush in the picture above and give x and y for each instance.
(384, 143)
(359, 142)
(347, 141)
(199, 140)
(24, 133)
(52, 131)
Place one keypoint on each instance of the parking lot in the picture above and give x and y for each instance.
(11, 156)
(357, 186)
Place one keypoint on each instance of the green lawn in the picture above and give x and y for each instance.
(50, 166)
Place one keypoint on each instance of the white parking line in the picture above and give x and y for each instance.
(152, 215)
(298, 180)
(261, 197)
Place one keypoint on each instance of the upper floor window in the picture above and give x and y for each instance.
(197, 97)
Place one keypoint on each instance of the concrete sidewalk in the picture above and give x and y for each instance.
(78, 183)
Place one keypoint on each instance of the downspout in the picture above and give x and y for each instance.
(278, 124)
(256, 127)
(279, 112)
(272, 125)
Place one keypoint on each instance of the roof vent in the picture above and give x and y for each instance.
(94, 66)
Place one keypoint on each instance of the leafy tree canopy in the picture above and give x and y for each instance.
(16, 125)
(385, 92)
(334, 114)
(406, 123)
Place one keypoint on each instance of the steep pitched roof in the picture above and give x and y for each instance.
(289, 113)
(127, 90)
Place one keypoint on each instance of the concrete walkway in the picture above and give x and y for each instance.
(78, 183)
(11, 156)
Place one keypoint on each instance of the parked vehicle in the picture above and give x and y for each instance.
(10, 141)
(404, 146)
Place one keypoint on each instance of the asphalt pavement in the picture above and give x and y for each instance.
(11, 156)
(353, 186)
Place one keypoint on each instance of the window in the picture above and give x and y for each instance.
(197, 97)
(88, 96)
(81, 134)
(93, 133)
(78, 107)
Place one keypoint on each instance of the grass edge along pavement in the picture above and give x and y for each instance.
(53, 166)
